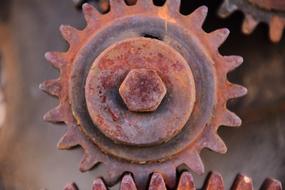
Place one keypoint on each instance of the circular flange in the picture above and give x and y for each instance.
(109, 113)
(182, 42)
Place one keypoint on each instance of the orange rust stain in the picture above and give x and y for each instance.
(164, 14)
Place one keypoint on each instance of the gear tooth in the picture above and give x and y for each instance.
(69, 33)
(232, 62)
(235, 91)
(98, 184)
(214, 181)
(227, 9)
(242, 183)
(145, 5)
(70, 186)
(90, 13)
(276, 27)
(116, 5)
(186, 182)
(230, 119)
(219, 36)
(194, 162)
(57, 59)
(173, 5)
(169, 176)
(87, 162)
(68, 140)
(216, 144)
(54, 115)
(249, 24)
(199, 15)
(74, 137)
(128, 183)
(271, 184)
(52, 87)
(157, 182)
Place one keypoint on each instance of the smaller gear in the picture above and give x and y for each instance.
(271, 12)
(186, 182)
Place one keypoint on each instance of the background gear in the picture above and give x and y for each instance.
(271, 12)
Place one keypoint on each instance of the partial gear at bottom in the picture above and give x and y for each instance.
(186, 182)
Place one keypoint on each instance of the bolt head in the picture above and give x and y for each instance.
(142, 90)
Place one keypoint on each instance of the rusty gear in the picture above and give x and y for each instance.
(186, 182)
(185, 119)
(271, 12)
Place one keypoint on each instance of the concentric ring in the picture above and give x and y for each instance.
(177, 38)
(109, 113)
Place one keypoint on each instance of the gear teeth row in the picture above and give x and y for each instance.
(186, 182)
(251, 20)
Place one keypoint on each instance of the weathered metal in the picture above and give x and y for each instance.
(186, 182)
(256, 11)
(152, 68)
(142, 90)
(186, 58)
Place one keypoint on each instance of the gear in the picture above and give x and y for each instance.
(271, 12)
(185, 97)
(186, 182)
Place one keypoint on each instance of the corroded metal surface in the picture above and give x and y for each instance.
(142, 90)
(271, 12)
(187, 119)
(186, 182)
(119, 67)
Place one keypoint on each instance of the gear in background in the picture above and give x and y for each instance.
(271, 12)
(142, 39)
(186, 182)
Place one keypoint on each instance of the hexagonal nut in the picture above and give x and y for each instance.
(142, 90)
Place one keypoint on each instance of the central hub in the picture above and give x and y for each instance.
(138, 71)
(142, 90)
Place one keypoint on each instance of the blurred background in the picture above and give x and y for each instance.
(29, 159)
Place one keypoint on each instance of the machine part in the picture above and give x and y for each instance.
(183, 56)
(271, 12)
(186, 182)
